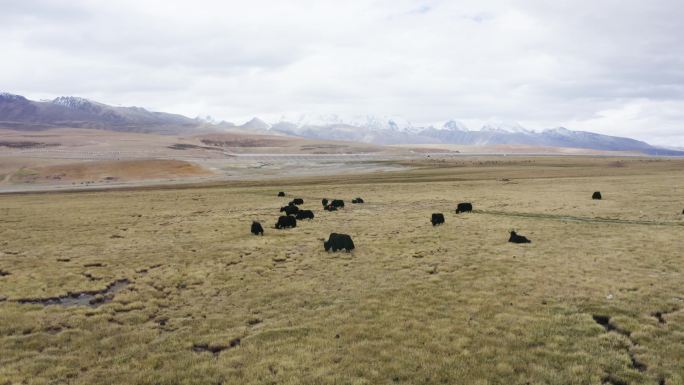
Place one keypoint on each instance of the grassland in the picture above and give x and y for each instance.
(413, 304)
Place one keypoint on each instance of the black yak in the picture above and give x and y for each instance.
(297, 201)
(330, 207)
(464, 207)
(286, 221)
(338, 242)
(324, 201)
(281, 194)
(357, 200)
(257, 229)
(515, 238)
(290, 209)
(337, 203)
(437, 219)
(305, 214)
(596, 195)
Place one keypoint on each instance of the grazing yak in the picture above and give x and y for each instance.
(330, 207)
(357, 200)
(286, 221)
(437, 219)
(281, 194)
(290, 209)
(515, 238)
(297, 201)
(338, 242)
(257, 229)
(337, 203)
(324, 201)
(596, 195)
(464, 207)
(305, 214)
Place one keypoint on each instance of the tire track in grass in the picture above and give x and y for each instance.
(571, 218)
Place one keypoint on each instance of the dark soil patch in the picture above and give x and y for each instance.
(659, 316)
(604, 321)
(94, 265)
(187, 146)
(636, 364)
(245, 142)
(213, 349)
(146, 270)
(91, 277)
(53, 329)
(26, 144)
(612, 380)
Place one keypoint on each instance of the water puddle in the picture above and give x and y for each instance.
(92, 298)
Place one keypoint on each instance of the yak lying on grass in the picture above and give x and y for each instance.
(437, 219)
(257, 229)
(297, 201)
(286, 221)
(357, 200)
(281, 194)
(337, 203)
(338, 242)
(290, 209)
(305, 214)
(596, 195)
(515, 238)
(464, 207)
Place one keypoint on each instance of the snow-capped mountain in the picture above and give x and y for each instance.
(454, 125)
(505, 127)
(77, 103)
(367, 129)
(17, 112)
(378, 131)
(256, 124)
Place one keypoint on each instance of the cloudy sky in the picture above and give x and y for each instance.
(609, 66)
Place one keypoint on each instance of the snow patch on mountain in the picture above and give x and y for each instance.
(256, 124)
(454, 126)
(6, 96)
(76, 103)
(505, 127)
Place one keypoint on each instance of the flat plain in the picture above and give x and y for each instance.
(596, 298)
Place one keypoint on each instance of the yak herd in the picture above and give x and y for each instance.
(337, 242)
(293, 213)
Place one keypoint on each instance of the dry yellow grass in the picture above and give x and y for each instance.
(413, 304)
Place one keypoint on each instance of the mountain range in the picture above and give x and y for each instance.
(17, 112)
(453, 132)
(20, 113)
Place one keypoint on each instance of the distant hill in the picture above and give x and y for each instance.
(19, 113)
(453, 132)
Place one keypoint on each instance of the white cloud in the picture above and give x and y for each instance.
(583, 64)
